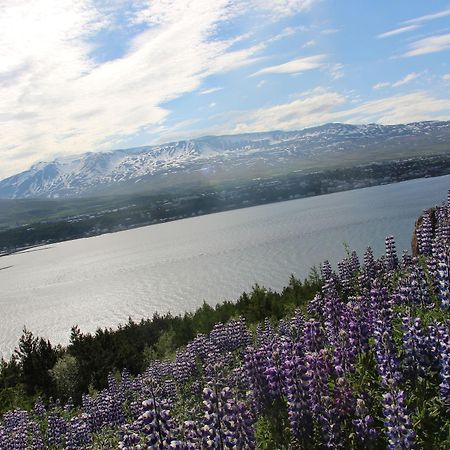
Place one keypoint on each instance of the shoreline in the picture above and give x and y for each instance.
(36, 247)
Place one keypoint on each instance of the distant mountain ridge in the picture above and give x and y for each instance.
(83, 174)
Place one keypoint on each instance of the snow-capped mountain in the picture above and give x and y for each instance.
(83, 174)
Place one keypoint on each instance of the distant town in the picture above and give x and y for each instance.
(142, 210)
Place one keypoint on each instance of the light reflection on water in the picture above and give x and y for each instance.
(101, 281)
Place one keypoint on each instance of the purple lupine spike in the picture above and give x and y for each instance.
(126, 384)
(16, 424)
(210, 431)
(112, 384)
(316, 377)
(69, 405)
(441, 223)
(314, 336)
(237, 422)
(238, 336)
(359, 323)
(407, 260)
(56, 429)
(185, 366)
(219, 335)
(385, 352)
(39, 408)
(345, 275)
(444, 362)
(157, 424)
(327, 272)
(227, 423)
(344, 353)
(331, 425)
(272, 371)
(129, 439)
(398, 427)
(381, 306)
(391, 253)
(344, 398)
(283, 328)
(354, 262)
(432, 343)
(413, 290)
(442, 275)
(245, 427)
(448, 204)
(387, 361)
(297, 325)
(78, 435)
(37, 440)
(364, 425)
(414, 347)
(333, 312)
(425, 235)
(315, 306)
(191, 435)
(432, 270)
(369, 264)
(296, 391)
(254, 364)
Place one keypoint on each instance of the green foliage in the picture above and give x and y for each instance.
(65, 375)
(35, 357)
(62, 372)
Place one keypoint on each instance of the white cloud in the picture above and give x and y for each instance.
(295, 66)
(406, 79)
(412, 107)
(337, 71)
(426, 18)
(330, 31)
(446, 77)
(432, 44)
(210, 91)
(282, 8)
(212, 104)
(57, 99)
(261, 84)
(322, 106)
(315, 108)
(286, 32)
(310, 43)
(397, 31)
(381, 85)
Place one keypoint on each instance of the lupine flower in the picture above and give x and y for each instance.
(398, 426)
(425, 235)
(444, 363)
(391, 253)
(364, 428)
(296, 391)
(314, 336)
(414, 347)
(442, 274)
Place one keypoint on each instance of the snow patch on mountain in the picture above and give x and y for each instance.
(76, 175)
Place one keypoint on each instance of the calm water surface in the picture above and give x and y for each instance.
(101, 281)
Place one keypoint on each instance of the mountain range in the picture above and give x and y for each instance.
(226, 157)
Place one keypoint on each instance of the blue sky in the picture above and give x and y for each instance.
(94, 75)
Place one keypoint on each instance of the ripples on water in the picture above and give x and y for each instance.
(101, 281)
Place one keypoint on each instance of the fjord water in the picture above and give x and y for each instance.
(103, 280)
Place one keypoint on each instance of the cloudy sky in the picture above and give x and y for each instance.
(94, 75)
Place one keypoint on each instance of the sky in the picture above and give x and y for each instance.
(96, 75)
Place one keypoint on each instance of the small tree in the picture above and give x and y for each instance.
(65, 376)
